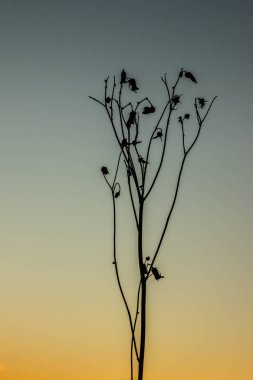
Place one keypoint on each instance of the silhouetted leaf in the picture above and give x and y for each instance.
(156, 274)
(202, 102)
(117, 194)
(135, 142)
(142, 161)
(148, 110)
(176, 99)
(104, 170)
(132, 85)
(159, 134)
(124, 143)
(186, 116)
(190, 76)
(131, 119)
(148, 258)
(123, 78)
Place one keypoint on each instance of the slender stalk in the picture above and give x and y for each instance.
(169, 215)
(155, 129)
(183, 135)
(186, 152)
(118, 278)
(143, 329)
(143, 292)
(135, 322)
(132, 201)
(172, 107)
(116, 172)
(137, 168)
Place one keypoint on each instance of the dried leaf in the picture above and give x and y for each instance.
(104, 170)
(132, 85)
(148, 110)
(131, 119)
(176, 99)
(124, 143)
(142, 161)
(190, 76)
(123, 77)
(181, 73)
(156, 273)
(117, 194)
(135, 142)
(202, 102)
(159, 134)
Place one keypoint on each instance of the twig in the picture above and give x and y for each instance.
(165, 138)
(118, 278)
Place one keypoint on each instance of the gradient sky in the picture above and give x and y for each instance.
(61, 317)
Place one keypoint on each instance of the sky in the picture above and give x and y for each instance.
(61, 316)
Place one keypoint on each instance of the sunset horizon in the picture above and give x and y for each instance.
(62, 315)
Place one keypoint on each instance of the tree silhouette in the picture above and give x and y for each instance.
(126, 121)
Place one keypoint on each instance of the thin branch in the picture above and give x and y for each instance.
(131, 362)
(120, 110)
(139, 103)
(197, 112)
(183, 135)
(177, 187)
(132, 166)
(153, 133)
(162, 156)
(105, 93)
(137, 305)
(127, 105)
(107, 181)
(132, 201)
(117, 275)
(164, 80)
(207, 112)
(165, 138)
(135, 322)
(127, 157)
(140, 165)
(117, 136)
(169, 215)
(117, 168)
(96, 100)
(121, 119)
(200, 122)
(111, 103)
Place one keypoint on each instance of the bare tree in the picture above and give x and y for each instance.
(126, 120)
